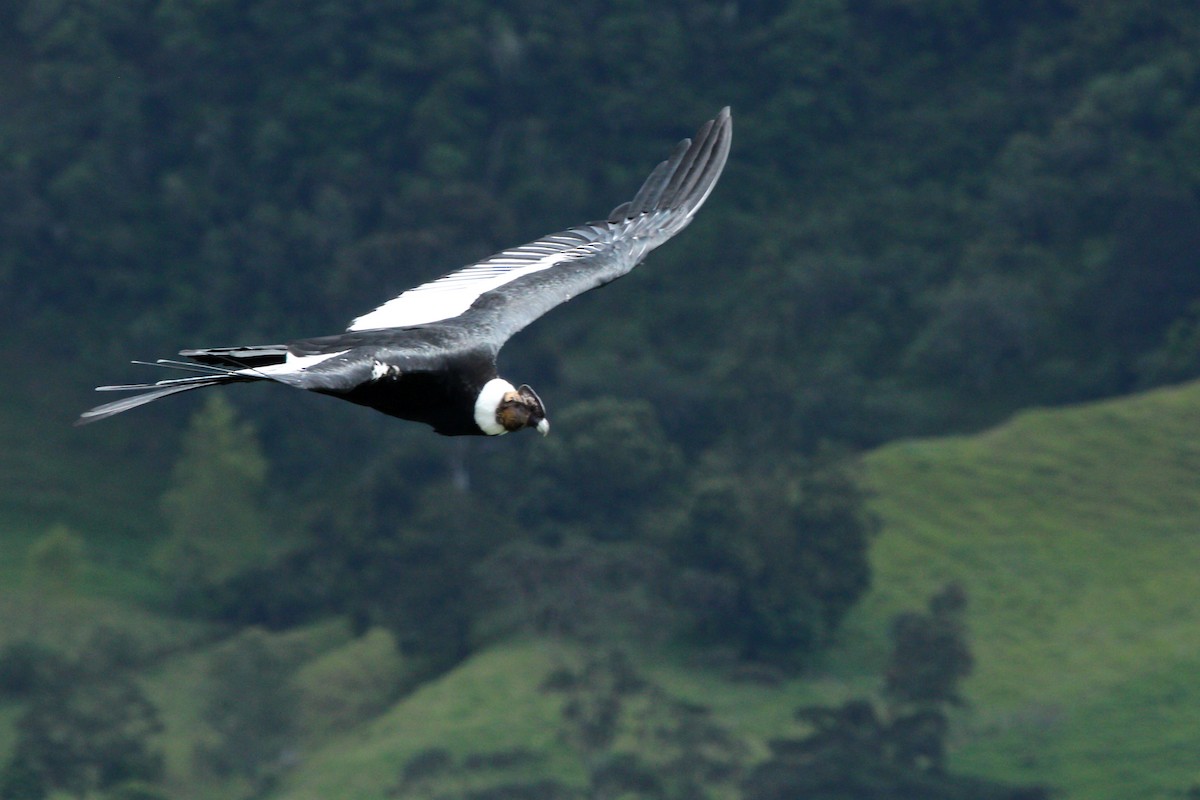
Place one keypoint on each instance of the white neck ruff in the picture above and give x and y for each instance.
(488, 403)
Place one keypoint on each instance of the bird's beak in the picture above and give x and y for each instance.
(543, 426)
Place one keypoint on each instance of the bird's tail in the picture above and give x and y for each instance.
(259, 355)
(149, 392)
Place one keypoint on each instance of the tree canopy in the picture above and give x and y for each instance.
(927, 204)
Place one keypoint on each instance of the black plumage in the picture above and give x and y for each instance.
(429, 354)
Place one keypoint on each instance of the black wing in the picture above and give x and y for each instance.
(344, 361)
(500, 295)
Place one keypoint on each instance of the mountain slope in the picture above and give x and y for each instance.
(1076, 533)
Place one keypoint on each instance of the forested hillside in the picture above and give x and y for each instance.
(934, 215)
(928, 204)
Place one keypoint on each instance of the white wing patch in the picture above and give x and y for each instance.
(380, 370)
(292, 364)
(452, 294)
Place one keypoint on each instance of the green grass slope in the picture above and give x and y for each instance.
(1077, 535)
(495, 703)
(491, 703)
(1075, 532)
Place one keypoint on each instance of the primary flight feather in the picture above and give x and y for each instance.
(429, 354)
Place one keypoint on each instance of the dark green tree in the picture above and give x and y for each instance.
(605, 469)
(216, 523)
(250, 707)
(404, 557)
(24, 664)
(636, 740)
(789, 539)
(862, 750)
(20, 780)
(930, 654)
(55, 560)
(86, 727)
(595, 592)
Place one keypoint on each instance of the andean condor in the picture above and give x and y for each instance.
(429, 354)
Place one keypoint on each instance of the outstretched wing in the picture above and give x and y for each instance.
(344, 361)
(500, 295)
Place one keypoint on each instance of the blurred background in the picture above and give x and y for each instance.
(880, 481)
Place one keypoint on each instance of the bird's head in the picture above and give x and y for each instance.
(522, 408)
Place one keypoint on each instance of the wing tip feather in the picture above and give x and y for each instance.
(683, 182)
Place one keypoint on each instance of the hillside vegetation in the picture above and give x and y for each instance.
(1075, 533)
(1071, 529)
(935, 216)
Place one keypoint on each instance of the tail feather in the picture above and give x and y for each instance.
(183, 366)
(248, 356)
(149, 392)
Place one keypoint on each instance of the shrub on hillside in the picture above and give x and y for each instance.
(789, 539)
(56, 559)
(24, 666)
(250, 709)
(350, 684)
(86, 727)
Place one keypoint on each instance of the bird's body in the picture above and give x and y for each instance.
(429, 355)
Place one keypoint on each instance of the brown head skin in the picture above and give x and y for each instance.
(522, 409)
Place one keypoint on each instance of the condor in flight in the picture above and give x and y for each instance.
(429, 355)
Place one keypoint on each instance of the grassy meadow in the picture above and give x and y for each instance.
(1077, 535)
